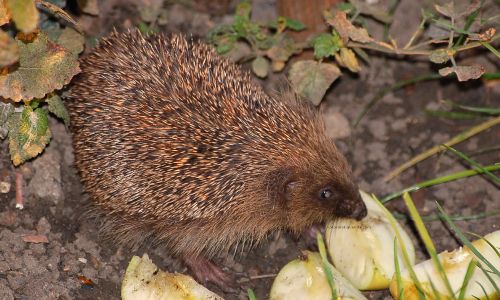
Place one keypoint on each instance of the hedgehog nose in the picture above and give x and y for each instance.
(360, 211)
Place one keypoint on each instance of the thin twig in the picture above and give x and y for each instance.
(436, 149)
(415, 34)
(19, 190)
(263, 276)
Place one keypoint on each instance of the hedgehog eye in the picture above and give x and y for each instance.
(325, 194)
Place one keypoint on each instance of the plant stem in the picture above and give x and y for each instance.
(439, 180)
(386, 48)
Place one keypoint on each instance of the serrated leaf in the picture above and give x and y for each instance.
(9, 51)
(348, 59)
(464, 73)
(325, 45)
(311, 79)
(345, 28)
(6, 109)
(260, 66)
(24, 14)
(441, 56)
(282, 49)
(29, 133)
(43, 68)
(4, 13)
(56, 106)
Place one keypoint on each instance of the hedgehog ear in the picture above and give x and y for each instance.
(282, 182)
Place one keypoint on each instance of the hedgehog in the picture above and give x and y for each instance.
(178, 147)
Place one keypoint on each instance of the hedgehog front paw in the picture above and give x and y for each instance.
(205, 270)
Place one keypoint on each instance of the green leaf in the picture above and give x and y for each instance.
(56, 106)
(9, 51)
(43, 68)
(244, 9)
(295, 25)
(24, 14)
(260, 66)
(29, 133)
(310, 79)
(325, 45)
(6, 109)
(224, 48)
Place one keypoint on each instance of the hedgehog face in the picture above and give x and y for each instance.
(320, 195)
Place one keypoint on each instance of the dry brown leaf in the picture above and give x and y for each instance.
(464, 73)
(36, 239)
(346, 29)
(485, 36)
(311, 79)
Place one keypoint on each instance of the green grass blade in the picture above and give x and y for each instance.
(454, 115)
(406, 256)
(397, 271)
(251, 295)
(467, 277)
(466, 241)
(482, 110)
(491, 76)
(435, 292)
(488, 242)
(487, 274)
(468, 22)
(426, 238)
(439, 180)
(326, 267)
(472, 163)
(484, 292)
(491, 48)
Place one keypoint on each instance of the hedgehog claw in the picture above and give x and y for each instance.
(204, 270)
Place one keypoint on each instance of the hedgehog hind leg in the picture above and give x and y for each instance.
(205, 270)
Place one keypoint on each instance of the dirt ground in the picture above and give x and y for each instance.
(392, 132)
